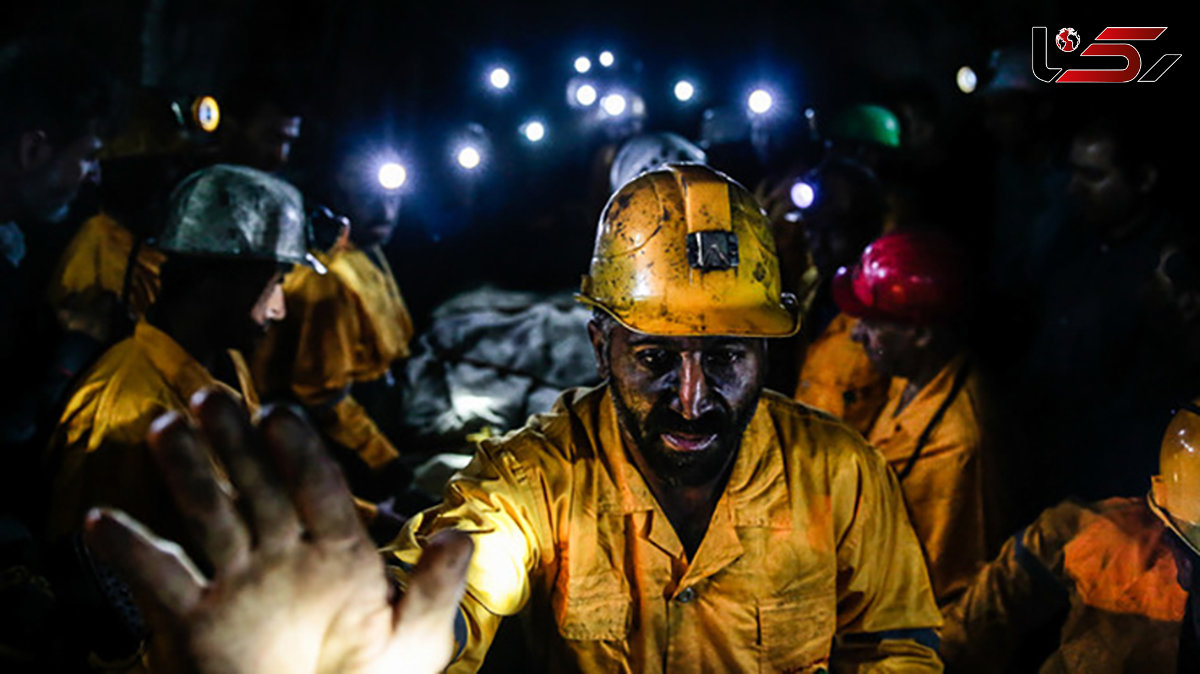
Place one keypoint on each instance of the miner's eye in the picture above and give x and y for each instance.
(656, 360)
(723, 357)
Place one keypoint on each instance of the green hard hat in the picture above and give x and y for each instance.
(866, 123)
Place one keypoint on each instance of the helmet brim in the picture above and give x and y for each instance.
(1187, 533)
(767, 322)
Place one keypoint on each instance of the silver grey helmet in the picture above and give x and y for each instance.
(237, 212)
(650, 151)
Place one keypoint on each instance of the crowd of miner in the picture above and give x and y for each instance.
(680, 516)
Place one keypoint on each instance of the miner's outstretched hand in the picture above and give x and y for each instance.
(296, 584)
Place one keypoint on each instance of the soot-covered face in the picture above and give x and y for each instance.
(684, 401)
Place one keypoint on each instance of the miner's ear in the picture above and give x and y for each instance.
(33, 150)
(599, 336)
(924, 338)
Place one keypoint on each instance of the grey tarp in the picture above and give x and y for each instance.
(492, 358)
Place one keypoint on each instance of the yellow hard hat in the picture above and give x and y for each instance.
(686, 251)
(1175, 491)
(152, 127)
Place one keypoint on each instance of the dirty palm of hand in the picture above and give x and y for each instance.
(297, 585)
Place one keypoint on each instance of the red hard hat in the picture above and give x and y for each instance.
(905, 277)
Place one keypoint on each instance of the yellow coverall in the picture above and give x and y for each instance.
(950, 489)
(98, 454)
(808, 563)
(91, 277)
(344, 327)
(1108, 565)
(837, 377)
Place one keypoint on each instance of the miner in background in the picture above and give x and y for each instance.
(842, 209)
(263, 117)
(230, 235)
(1114, 582)
(56, 111)
(909, 295)
(57, 107)
(108, 276)
(1098, 328)
(347, 329)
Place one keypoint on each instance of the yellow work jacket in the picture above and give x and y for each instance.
(809, 561)
(348, 325)
(949, 488)
(98, 454)
(838, 377)
(91, 277)
(1104, 573)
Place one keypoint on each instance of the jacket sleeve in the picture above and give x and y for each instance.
(1013, 595)
(886, 612)
(86, 285)
(98, 456)
(328, 343)
(501, 502)
(347, 423)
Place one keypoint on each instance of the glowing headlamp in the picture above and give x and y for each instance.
(803, 194)
(684, 90)
(614, 104)
(499, 78)
(760, 101)
(966, 79)
(391, 175)
(206, 113)
(468, 157)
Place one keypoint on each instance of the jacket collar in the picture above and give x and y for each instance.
(912, 420)
(185, 374)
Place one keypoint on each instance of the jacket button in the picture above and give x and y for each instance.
(686, 594)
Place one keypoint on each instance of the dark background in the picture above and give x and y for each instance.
(414, 73)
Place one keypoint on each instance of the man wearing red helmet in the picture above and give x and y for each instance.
(909, 293)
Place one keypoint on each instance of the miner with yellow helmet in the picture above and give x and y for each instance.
(1115, 580)
(679, 517)
(108, 274)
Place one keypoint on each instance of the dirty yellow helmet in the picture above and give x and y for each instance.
(1175, 491)
(685, 251)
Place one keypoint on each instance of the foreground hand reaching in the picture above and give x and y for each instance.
(297, 585)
